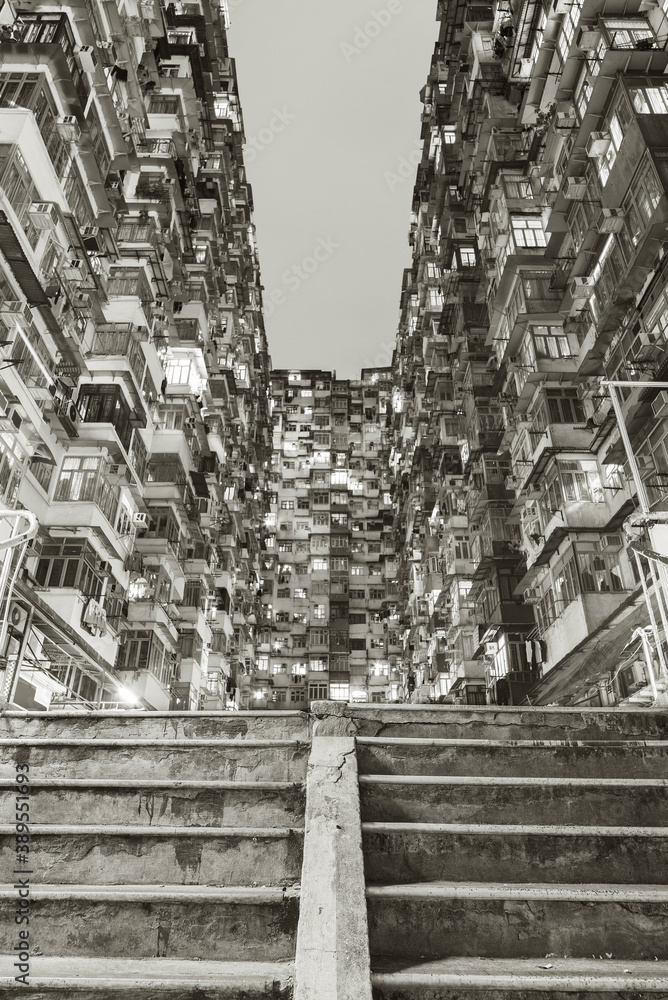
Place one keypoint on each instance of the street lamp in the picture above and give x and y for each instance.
(660, 573)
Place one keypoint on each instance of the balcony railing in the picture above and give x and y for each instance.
(119, 340)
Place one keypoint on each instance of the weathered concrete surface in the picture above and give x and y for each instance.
(162, 803)
(495, 722)
(157, 855)
(430, 853)
(136, 923)
(157, 725)
(148, 979)
(527, 759)
(510, 979)
(516, 924)
(332, 959)
(264, 760)
(596, 801)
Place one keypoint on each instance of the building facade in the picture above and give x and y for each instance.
(331, 623)
(539, 272)
(134, 369)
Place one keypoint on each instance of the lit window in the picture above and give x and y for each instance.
(528, 232)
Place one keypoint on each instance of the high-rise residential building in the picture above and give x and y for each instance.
(478, 522)
(539, 272)
(134, 368)
(331, 621)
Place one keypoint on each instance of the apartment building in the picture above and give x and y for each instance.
(134, 366)
(539, 236)
(331, 624)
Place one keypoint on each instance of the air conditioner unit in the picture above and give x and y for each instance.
(660, 404)
(583, 390)
(140, 518)
(598, 143)
(566, 119)
(43, 214)
(18, 617)
(611, 542)
(610, 220)
(87, 60)
(117, 470)
(575, 188)
(90, 231)
(582, 288)
(587, 39)
(35, 546)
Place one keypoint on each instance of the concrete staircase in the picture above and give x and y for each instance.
(443, 854)
(165, 853)
(515, 853)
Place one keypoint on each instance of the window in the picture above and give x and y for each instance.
(339, 692)
(357, 570)
(517, 186)
(282, 617)
(283, 592)
(319, 611)
(321, 499)
(300, 593)
(467, 257)
(163, 104)
(302, 525)
(317, 692)
(319, 565)
(321, 520)
(319, 637)
(550, 342)
(629, 33)
(339, 541)
(528, 232)
(303, 503)
(358, 644)
(356, 618)
(285, 546)
(600, 573)
(287, 505)
(339, 563)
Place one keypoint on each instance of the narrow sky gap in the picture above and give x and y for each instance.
(330, 97)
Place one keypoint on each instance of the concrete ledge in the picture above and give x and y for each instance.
(332, 960)
(503, 722)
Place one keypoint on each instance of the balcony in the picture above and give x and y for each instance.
(120, 342)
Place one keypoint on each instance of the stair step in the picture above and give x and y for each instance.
(157, 854)
(183, 758)
(142, 802)
(521, 758)
(449, 799)
(406, 852)
(497, 920)
(147, 979)
(159, 725)
(462, 979)
(205, 922)
(503, 722)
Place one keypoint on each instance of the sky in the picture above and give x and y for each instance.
(331, 107)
